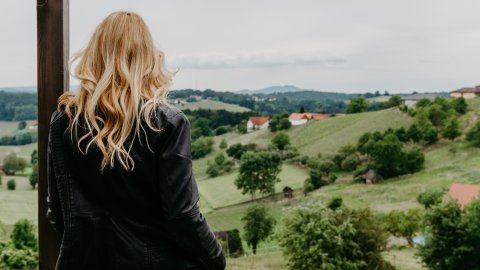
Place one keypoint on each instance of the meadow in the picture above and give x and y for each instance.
(224, 205)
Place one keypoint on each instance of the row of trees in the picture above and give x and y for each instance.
(18, 106)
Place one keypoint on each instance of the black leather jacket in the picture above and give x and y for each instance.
(144, 219)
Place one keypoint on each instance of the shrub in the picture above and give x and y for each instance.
(316, 237)
(452, 236)
(18, 259)
(202, 147)
(23, 235)
(430, 198)
(350, 163)
(357, 105)
(11, 184)
(473, 135)
(223, 144)
(403, 223)
(451, 129)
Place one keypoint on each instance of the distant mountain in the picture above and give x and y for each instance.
(273, 90)
(19, 89)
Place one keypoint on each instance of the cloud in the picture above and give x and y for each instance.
(258, 59)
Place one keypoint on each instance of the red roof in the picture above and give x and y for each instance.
(464, 193)
(258, 120)
(308, 116)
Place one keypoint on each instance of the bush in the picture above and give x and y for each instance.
(473, 135)
(430, 198)
(403, 223)
(23, 235)
(223, 144)
(357, 105)
(13, 164)
(18, 259)
(350, 163)
(335, 203)
(316, 237)
(11, 184)
(460, 105)
(452, 237)
(202, 147)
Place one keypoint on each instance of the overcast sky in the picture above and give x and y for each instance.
(345, 46)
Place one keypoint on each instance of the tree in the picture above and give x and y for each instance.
(452, 237)
(473, 135)
(23, 235)
(451, 130)
(34, 156)
(13, 164)
(202, 147)
(393, 101)
(33, 179)
(223, 144)
(258, 225)
(413, 133)
(403, 223)
(11, 184)
(430, 198)
(22, 124)
(284, 124)
(357, 105)
(316, 237)
(258, 172)
(460, 105)
(281, 140)
(236, 150)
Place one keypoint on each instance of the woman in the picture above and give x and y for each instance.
(120, 182)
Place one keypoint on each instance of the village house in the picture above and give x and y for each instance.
(411, 100)
(466, 92)
(302, 118)
(257, 122)
(464, 193)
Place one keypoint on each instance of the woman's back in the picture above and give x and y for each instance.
(121, 187)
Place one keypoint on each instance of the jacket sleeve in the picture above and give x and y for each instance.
(179, 197)
(54, 211)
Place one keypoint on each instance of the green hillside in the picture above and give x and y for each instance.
(212, 105)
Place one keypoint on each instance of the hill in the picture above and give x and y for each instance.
(212, 105)
(272, 90)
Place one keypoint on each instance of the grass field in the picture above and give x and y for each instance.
(212, 105)
(224, 205)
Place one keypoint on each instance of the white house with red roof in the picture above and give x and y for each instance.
(257, 122)
(302, 118)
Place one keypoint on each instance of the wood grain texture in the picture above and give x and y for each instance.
(53, 78)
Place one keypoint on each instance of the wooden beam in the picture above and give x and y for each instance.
(53, 79)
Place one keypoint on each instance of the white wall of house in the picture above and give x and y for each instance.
(465, 95)
(298, 122)
(250, 126)
(410, 103)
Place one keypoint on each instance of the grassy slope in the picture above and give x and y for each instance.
(213, 105)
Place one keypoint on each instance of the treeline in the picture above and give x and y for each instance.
(18, 106)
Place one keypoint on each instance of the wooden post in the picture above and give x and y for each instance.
(53, 79)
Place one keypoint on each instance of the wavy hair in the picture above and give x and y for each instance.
(122, 80)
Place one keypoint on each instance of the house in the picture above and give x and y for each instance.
(287, 192)
(371, 177)
(464, 193)
(302, 118)
(411, 100)
(257, 122)
(466, 92)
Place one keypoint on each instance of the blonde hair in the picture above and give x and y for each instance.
(122, 79)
